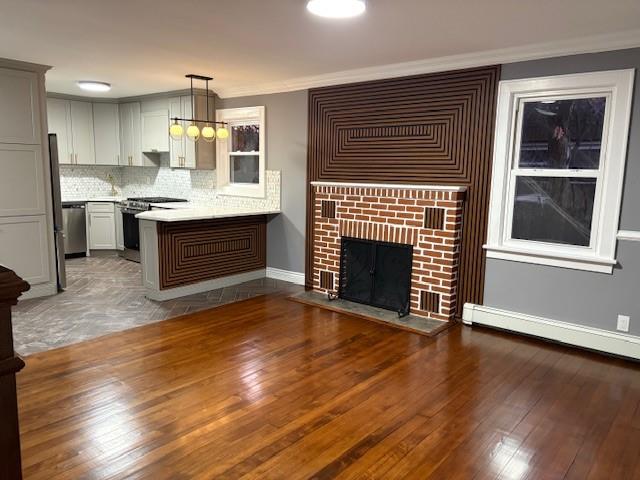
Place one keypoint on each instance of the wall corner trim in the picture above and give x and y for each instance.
(285, 275)
(568, 333)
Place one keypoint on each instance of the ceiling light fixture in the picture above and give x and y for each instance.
(93, 86)
(177, 131)
(337, 8)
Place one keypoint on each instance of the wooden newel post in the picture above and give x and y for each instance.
(11, 287)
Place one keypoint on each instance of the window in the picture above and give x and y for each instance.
(241, 159)
(559, 159)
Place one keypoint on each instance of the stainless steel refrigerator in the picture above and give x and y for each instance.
(58, 229)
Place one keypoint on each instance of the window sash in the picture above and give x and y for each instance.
(516, 171)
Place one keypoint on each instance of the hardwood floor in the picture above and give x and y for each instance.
(269, 388)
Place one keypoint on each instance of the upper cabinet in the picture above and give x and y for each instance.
(82, 133)
(106, 130)
(72, 122)
(155, 128)
(130, 135)
(186, 153)
(59, 119)
(19, 99)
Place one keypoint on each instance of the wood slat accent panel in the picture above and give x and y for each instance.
(425, 129)
(434, 218)
(326, 280)
(192, 252)
(430, 302)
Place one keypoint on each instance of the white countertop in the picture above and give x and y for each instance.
(182, 213)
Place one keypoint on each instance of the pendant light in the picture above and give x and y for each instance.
(208, 133)
(193, 132)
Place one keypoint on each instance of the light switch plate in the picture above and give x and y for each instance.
(623, 323)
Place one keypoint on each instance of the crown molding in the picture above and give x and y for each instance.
(590, 44)
(26, 66)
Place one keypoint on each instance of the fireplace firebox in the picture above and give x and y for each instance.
(376, 273)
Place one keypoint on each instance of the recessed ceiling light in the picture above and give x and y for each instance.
(337, 8)
(94, 86)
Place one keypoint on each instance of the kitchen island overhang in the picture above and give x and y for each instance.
(189, 251)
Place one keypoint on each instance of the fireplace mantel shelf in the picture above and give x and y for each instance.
(398, 186)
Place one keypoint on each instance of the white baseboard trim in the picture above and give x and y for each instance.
(170, 294)
(40, 290)
(285, 275)
(568, 333)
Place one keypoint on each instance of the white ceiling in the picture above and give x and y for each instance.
(147, 46)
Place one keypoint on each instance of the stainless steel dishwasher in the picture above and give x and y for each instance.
(74, 219)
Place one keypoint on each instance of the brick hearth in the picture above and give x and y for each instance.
(427, 217)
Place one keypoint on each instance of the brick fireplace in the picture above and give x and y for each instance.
(426, 217)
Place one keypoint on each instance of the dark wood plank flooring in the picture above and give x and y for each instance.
(269, 388)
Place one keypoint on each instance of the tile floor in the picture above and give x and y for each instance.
(104, 295)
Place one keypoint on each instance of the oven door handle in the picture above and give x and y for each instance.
(131, 211)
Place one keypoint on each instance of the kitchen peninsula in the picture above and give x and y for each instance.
(185, 251)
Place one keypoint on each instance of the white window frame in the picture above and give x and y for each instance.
(599, 256)
(240, 116)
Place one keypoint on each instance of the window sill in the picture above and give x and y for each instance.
(552, 259)
(251, 191)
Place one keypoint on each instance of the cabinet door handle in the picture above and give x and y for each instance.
(71, 157)
(76, 158)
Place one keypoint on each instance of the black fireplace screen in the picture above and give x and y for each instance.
(376, 273)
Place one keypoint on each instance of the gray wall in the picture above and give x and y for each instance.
(286, 118)
(585, 298)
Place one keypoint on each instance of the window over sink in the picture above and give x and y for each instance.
(241, 159)
(559, 158)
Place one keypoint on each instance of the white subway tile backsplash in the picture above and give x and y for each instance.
(198, 186)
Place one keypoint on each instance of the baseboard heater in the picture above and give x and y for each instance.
(563, 332)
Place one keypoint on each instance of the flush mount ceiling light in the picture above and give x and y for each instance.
(337, 8)
(92, 86)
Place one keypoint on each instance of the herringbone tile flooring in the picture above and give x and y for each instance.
(104, 295)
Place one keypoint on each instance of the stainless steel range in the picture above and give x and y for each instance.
(130, 229)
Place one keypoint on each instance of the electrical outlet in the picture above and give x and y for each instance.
(623, 323)
(148, 180)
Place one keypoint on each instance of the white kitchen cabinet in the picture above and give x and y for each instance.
(102, 226)
(177, 147)
(72, 122)
(82, 133)
(130, 135)
(59, 119)
(119, 228)
(24, 248)
(106, 130)
(155, 131)
(22, 183)
(20, 119)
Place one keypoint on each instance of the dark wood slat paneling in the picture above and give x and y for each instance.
(192, 252)
(426, 129)
(434, 218)
(430, 302)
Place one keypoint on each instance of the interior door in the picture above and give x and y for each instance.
(82, 133)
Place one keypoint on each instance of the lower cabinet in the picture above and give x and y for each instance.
(102, 226)
(119, 228)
